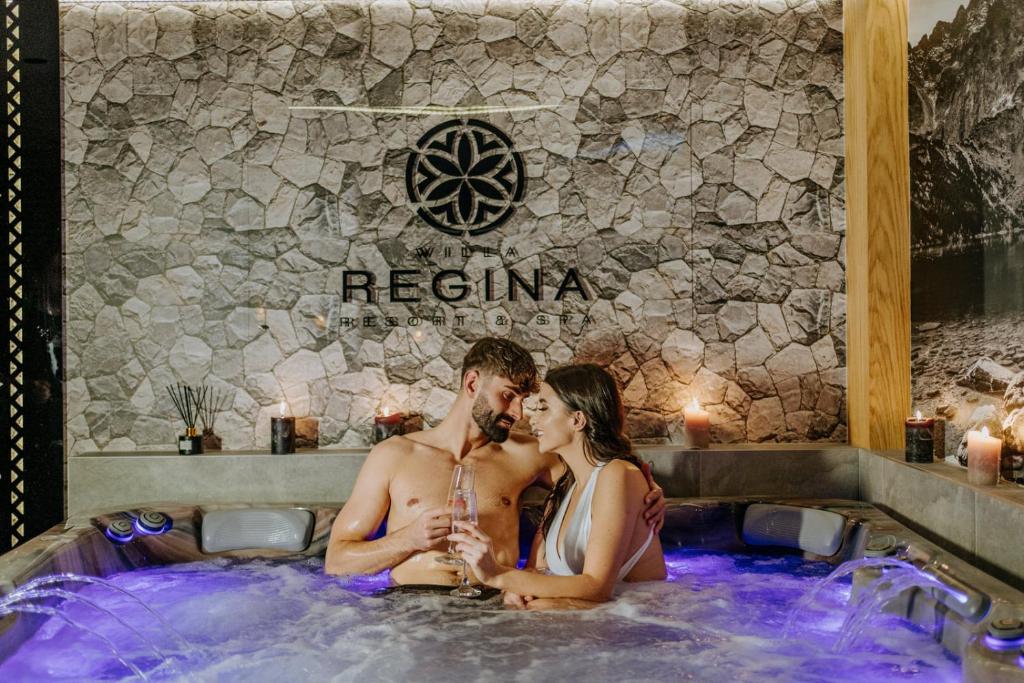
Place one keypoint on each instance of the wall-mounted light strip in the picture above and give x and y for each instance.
(15, 313)
(159, 2)
(426, 110)
(548, 3)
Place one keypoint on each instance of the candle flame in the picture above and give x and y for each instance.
(281, 407)
(695, 404)
(917, 415)
(984, 432)
(386, 410)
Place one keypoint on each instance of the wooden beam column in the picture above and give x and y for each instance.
(878, 221)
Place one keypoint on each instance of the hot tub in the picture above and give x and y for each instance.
(735, 605)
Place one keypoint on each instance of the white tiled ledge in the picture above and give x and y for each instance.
(640, 447)
(116, 480)
(302, 452)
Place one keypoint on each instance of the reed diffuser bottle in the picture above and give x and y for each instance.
(188, 402)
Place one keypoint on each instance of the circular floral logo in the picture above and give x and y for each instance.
(464, 177)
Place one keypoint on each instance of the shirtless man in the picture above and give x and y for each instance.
(407, 477)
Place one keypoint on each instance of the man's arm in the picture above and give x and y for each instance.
(538, 553)
(550, 470)
(654, 515)
(348, 551)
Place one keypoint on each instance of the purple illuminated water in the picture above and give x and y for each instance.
(718, 617)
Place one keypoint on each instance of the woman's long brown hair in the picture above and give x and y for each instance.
(589, 389)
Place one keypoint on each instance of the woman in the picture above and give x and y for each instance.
(592, 534)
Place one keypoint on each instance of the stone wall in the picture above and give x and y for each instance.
(684, 157)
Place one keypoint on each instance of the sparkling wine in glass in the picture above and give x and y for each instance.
(464, 510)
(462, 480)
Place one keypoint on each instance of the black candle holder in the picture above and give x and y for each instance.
(920, 440)
(282, 435)
(386, 426)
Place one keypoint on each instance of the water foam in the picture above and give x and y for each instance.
(718, 617)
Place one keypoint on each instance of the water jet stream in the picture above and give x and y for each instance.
(26, 595)
(845, 569)
(51, 612)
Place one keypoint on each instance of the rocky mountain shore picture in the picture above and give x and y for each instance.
(967, 219)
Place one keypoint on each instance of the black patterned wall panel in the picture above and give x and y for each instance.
(12, 522)
(31, 467)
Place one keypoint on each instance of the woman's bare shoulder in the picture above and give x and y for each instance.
(623, 468)
(622, 475)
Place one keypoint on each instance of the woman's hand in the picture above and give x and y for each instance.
(477, 550)
(516, 601)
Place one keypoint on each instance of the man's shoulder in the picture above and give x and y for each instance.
(520, 443)
(523, 449)
(394, 447)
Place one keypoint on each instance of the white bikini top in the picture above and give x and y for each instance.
(568, 560)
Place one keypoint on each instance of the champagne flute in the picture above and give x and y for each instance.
(462, 479)
(464, 510)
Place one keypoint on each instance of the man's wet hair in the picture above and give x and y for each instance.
(502, 358)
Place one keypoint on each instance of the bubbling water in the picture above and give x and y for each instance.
(717, 617)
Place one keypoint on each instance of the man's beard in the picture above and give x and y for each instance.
(489, 423)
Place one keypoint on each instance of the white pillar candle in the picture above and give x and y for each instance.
(698, 425)
(983, 457)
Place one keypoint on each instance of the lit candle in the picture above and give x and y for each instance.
(282, 433)
(698, 425)
(983, 457)
(386, 425)
(920, 445)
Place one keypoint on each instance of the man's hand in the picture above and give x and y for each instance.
(429, 529)
(654, 500)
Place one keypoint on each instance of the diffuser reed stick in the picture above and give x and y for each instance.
(188, 403)
(213, 402)
(185, 401)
